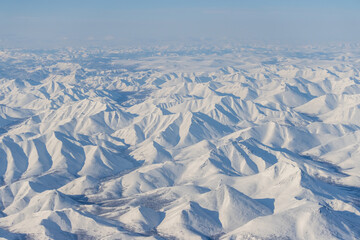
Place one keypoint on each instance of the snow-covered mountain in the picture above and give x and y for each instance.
(188, 143)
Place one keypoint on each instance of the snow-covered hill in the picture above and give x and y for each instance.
(191, 143)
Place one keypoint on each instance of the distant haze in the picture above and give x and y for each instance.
(52, 24)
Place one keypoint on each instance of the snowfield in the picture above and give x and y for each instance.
(187, 143)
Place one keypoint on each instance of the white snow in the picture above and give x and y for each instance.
(238, 143)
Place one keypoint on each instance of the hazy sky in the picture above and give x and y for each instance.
(52, 23)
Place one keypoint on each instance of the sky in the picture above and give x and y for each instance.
(118, 23)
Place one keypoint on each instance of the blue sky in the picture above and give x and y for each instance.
(52, 23)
